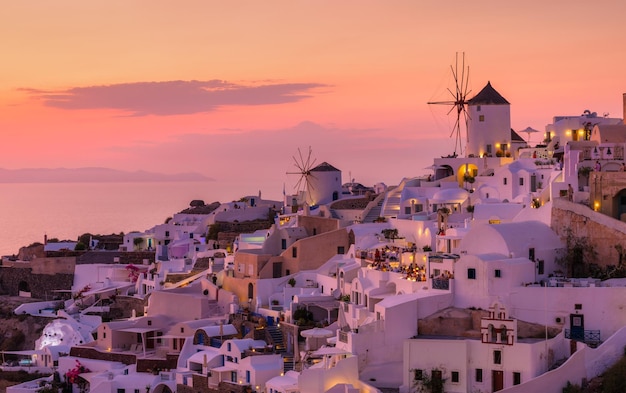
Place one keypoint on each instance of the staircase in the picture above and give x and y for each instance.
(374, 212)
(391, 207)
(276, 338)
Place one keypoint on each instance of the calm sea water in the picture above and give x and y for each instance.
(66, 210)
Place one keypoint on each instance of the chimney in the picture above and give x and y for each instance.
(624, 112)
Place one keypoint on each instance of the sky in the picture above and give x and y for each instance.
(232, 89)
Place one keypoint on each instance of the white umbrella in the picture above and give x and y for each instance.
(330, 351)
(529, 130)
(317, 333)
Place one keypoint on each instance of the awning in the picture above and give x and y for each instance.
(329, 351)
(138, 330)
(167, 336)
(223, 369)
(31, 352)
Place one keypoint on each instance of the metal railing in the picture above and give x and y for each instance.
(587, 336)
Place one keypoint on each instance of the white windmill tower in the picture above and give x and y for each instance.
(304, 185)
(317, 185)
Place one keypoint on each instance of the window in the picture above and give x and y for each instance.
(481, 118)
(167, 233)
(314, 231)
(454, 377)
(489, 149)
(182, 330)
(294, 252)
(540, 266)
(471, 273)
(531, 253)
(497, 357)
(517, 378)
(498, 273)
(149, 322)
(341, 250)
(407, 210)
(417, 375)
(505, 181)
(247, 376)
(479, 375)
(283, 244)
(228, 347)
(136, 390)
(477, 108)
(121, 390)
(521, 181)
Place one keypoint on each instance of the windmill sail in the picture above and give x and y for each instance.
(458, 102)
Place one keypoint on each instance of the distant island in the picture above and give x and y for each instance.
(87, 175)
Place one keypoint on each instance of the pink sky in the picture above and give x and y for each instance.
(233, 89)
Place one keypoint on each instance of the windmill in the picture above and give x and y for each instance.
(458, 102)
(304, 185)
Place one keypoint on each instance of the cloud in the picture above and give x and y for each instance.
(174, 97)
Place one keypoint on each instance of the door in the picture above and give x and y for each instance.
(437, 381)
(497, 380)
(277, 269)
(577, 327)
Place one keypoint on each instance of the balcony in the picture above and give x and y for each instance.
(589, 337)
(441, 283)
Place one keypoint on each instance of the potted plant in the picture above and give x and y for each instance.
(292, 282)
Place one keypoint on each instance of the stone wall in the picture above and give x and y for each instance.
(92, 353)
(603, 232)
(41, 286)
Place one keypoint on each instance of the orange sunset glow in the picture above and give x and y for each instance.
(233, 89)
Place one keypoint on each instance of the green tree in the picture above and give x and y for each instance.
(390, 233)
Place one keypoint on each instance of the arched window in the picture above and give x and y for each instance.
(250, 291)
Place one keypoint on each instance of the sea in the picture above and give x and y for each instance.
(30, 211)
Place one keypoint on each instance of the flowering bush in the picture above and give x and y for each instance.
(81, 293)
(133, 272)
(72, 375)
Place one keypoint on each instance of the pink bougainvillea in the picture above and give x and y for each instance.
(133, 272)
(72, 375)
(81, 293)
